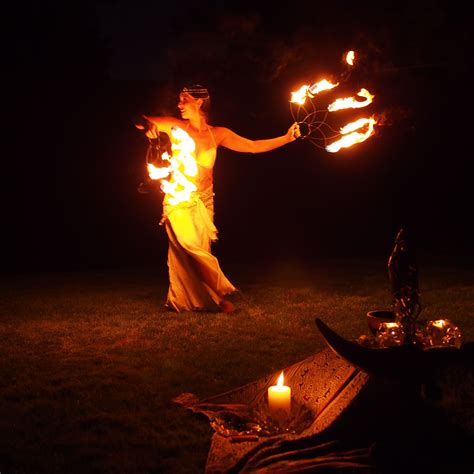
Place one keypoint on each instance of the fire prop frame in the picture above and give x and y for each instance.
(318, 131)
(177, 179)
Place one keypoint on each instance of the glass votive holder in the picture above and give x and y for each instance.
(390, 334)
(442, 332)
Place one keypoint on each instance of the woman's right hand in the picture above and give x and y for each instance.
(150, 128)
(140, 122)
(152, 131)
(294, 132)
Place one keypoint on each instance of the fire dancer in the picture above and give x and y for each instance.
(196, 282)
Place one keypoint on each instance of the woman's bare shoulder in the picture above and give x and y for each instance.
(219, 133)
(176, 122)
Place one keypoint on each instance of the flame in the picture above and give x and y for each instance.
(351, 136)
(299, 97)
(350, 56)
(323, 85)
(350, 102)
(350, 133)
(159, 173)
(178, 188)
(350, 127)
(280, 381)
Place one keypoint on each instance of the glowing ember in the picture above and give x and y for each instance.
(350, 102)
(179, 187)
(350, 56)
(351, 136)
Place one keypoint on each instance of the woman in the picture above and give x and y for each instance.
(196, 281)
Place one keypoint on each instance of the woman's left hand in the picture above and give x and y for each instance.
(293, 132)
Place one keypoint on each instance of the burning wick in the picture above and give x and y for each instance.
(279, 397)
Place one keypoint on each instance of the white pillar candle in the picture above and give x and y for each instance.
(279, 397)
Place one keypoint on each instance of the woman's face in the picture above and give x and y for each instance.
(188, 105)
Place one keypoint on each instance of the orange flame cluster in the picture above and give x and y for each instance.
(351, 133)
(350, 102)
(180, 186)
(351, 136)
(299, 97)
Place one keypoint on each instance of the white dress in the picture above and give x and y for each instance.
(196, 281)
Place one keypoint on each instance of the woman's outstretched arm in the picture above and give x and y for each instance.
(231, 140)
(162, 124)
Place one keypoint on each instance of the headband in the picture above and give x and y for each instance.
(198, 92)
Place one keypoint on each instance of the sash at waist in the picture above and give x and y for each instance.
(200, 205)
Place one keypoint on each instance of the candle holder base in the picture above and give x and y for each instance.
(259, 421)
(280, 416)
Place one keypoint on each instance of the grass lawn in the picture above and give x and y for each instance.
(90, 361)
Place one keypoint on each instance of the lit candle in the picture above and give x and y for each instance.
(279, 397)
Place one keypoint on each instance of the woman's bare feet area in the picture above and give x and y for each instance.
(227, 307)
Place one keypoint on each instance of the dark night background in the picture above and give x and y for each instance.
(78, 75)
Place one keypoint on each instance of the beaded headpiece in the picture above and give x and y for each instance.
(197, 91)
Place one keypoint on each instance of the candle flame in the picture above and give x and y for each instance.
(183, 167)
(280, 381)
(350, 102)
(351, 136)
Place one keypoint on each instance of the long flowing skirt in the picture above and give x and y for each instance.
(196, 281)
